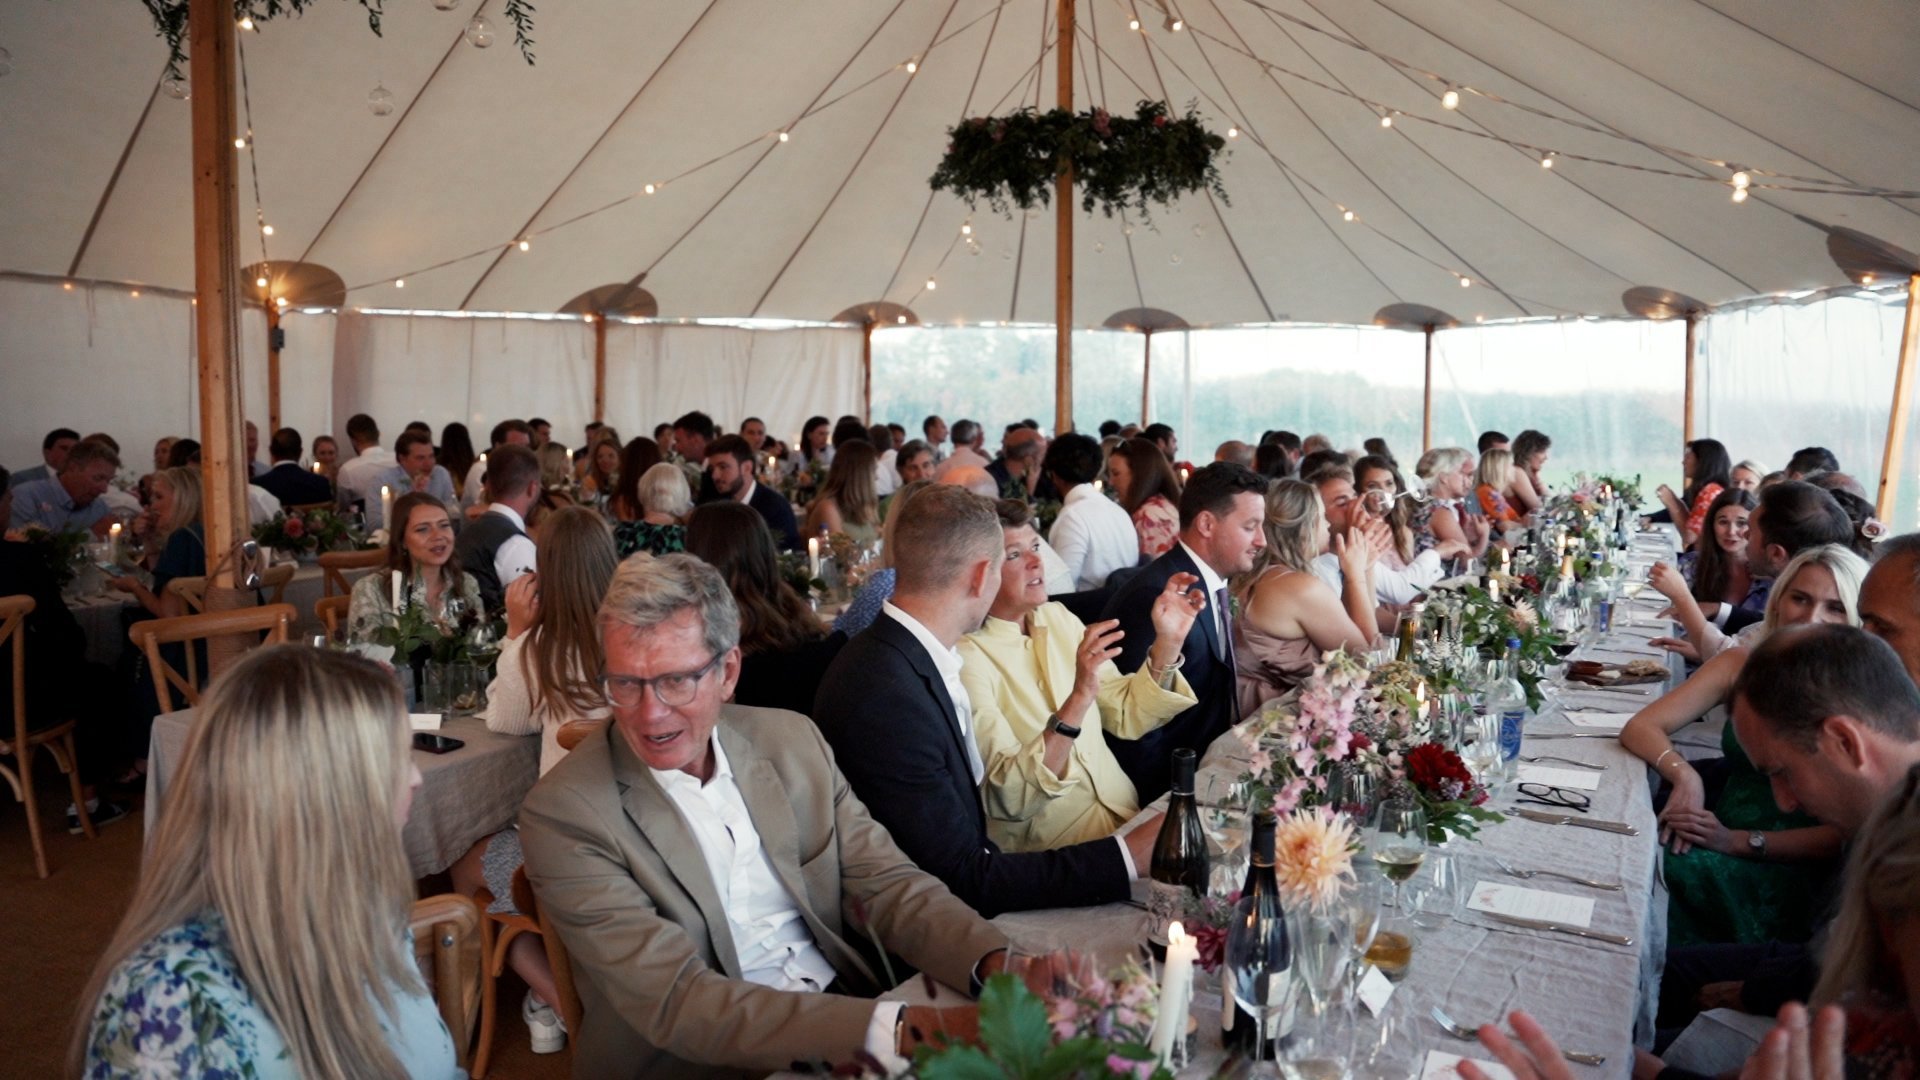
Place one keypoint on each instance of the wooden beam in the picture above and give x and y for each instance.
(599, 367)
(1426, 398)
(866, 371)
(1146, 381)
(1686, 417)
(1063, 244)
(1903, 390)
(273, 368)
(216, 279)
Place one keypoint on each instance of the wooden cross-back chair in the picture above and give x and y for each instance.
(273, 585)
(20, 742)
(336, 564)
(306, 508)
(449, 946)
(332, 611)
(273, 620)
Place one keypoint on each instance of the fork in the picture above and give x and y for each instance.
(1528, 875)
(1565, 761)
(1467, 1034)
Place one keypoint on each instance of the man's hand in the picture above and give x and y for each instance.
(927, 1025)
(1701, 829)
(1795, 1050)
(1048, 976)
(1539, 1060)
(1141, 840)
(1687, 798)
(421, 482)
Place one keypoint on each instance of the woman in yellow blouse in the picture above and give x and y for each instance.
(1035, 674)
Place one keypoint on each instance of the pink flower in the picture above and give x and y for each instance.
(1143, 1070)
(1260, 761)
(295, 528)
(1288, 797)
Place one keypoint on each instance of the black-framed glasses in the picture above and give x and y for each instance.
(1563, 798)
(674, 689)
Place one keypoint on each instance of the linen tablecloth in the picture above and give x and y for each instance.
(465, 795)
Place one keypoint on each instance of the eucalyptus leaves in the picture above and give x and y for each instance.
(170, 21)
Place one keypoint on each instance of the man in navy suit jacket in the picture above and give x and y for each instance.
(287, 481)
(900, 723)
(1221, 512)
(730, 469)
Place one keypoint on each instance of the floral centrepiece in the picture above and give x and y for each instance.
(1313, 857)
(61, 552)
(304, 532)
(1119, 162)
(1098, 1030)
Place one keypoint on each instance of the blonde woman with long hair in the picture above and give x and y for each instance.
(847, 502)
(1723, 886)
(267, 936)
(174, 533)
(547, 677)
(1491, 481)
(1288, 616)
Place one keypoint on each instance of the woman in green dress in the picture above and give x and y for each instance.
(665, 502)
(1738, 869)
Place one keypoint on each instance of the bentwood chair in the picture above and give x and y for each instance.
(332, 611)
(192, 591)
(337, 563)
(274, 581)
(21, 743)
(273, 620)
(449, 947)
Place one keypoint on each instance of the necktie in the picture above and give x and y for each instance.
(1224, 620)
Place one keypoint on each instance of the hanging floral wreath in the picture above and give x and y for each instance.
(170, 21)
(1119, 162)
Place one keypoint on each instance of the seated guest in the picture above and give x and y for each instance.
(1092, 534)
(1706, 466)
(969, 442)
(1715, 570)
(1525, 489)
(121, 504)
(1890, 599)
(1288, 616)
(1018, 469)
(1737, 868)
(1270, 460)
(287, 481)
(1747, 476)
(661, 530)
(1221, 510)
(913, 462)
(185, 453)
(1059, 580)
(254, 465)
(495, 548)
(846, 503)
(70, 501)
(172, 529)
(556, 467)
(358, 480)
(420, 549)
(547, 676)
(1448, 472)
(1164, 437)
(901, 723)
(878, 588)
(1492, 481)
(53, 457)
(698, 947)
(1409, 531)
(204, 976)
(1313, 463)
(602, 474)
(1348, 516)
(1045, 694)
(885, 477)
(1813, 459)
(783, 648)
(456, 455)
(731, 467)
(1235, 451)
(1789, 518)
(1492, 440)
(326, 454)
(640, 454)
(473, 491)
(1146, 488)
(415, 472)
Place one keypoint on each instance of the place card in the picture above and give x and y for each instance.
(1612, 721)
(1375, 988)
(424, 721)
(1579, 779)
(1539, 905)
(1441, 1065)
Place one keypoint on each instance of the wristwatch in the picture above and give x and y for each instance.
(1066, 729)
(1757, 843)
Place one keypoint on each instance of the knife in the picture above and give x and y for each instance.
(1546, 818)
(1576, 735)
(1558, 928)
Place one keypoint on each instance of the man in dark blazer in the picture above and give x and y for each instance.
(731, 468)
(1221, 516)
(900, 723)
(287, 481)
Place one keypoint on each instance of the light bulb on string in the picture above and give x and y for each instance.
(784, 136)
(280, 300)
(1479, 318)
(913, 66)
(380, 100)
(260, 282)
(1174, 258)
(1175, 23)
(266, 230)
(1450, 99)
(966, 228)
(650, 189)
(901, 319)
(1133, 24)
(446, 5)
(479, 32)
(1465, 281)
(135, 294)
(67, 285)
(1099, 246)
(176, 88)
(1546, 160)
(526, 245)
(399, 283)
(1348, 215)
(239, 143)
(1739, 194)
(1386, 120)
(931, 285)
(1740, 179)
(1866, 279)
(246, 22)
(1233, 133)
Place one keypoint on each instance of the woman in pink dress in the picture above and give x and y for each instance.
(1143, 483)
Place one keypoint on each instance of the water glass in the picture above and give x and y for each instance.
(1435, 892)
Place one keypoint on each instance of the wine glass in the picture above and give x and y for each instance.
(1322, 1037)
(483, 645)
(1398, 843)
(1353, 793)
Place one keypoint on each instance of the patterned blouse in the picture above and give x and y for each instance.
(632, 537)
(1158, 523)
(1697, 516)
(178, 1006)
(1495, 505)
(372, 604)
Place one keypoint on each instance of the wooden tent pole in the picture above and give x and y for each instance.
(1903, 389)
(1426, 398)
(866, 371)
(1146, 380)
(273, 368)
(1063, 244)
(1686, 419)
(599, 366)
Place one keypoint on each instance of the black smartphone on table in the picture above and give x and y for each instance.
(436, 744)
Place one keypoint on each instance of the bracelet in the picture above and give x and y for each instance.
(900, 1033)
(1663, 757)
(1161, 675)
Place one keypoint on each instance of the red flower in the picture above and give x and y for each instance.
(1438, 771)
(1357, 742)
(1160, 121)
(294, 528)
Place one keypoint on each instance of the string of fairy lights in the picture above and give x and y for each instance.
(1741, 179)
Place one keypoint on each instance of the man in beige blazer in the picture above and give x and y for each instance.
(692, 833)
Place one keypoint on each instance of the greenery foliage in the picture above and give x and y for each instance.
(1118, 162)
(170, 21)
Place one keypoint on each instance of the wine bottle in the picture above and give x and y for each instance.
(1259, 951)
(1179, 870)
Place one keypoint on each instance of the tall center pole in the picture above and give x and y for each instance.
(1063, 246)
(1686, 406)
(216, 273)
(1903, 390)
(1426, 398)
(599, 366)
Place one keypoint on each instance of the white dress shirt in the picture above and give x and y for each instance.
(1211, 581)
(886, 476)
(1094, 537)
(770, 936)
(516, 554)
(364, 469)
(262, 504)
(946, 660)
(1059, 578)
(474, 489)
(1394, 588)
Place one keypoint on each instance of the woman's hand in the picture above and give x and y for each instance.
(1453, 549)
(523, 604)
(1679, 645)
(1176, 607)
(1097, 646)
(127, 584)
(1795, 1050)
(1689, 796)
(1355, 553)
(1701, 828)
(1667, 580)
(1536, 1058)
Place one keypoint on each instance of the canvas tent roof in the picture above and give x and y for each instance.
(483, 149)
